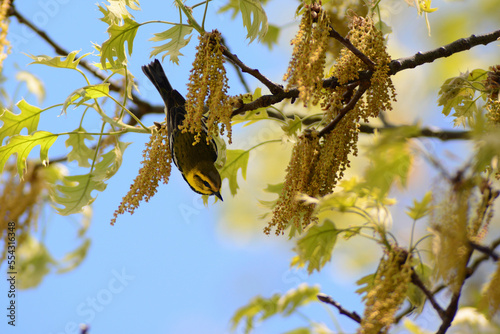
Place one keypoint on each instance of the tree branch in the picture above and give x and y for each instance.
(345, 42)
(473, 267)
(448, 315)
(452, 308)
(462, 44)
(237, 68)
(266, 100)
(430, 296)
(450, 312)
(273, 87)
(443, 135)
(485, 250)
(329, 300)
(348, 107)
(278, 93)
(395, 66)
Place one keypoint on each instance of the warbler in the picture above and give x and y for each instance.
(195, 162)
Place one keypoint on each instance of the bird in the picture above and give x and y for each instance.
(194, 161)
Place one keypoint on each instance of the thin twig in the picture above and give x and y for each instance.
(273, 87)
(415, 279)
(462, 44)
(486, 250)
(452, 308)
(237, 69)
(348, 107)
(329, 300)
(443, 135)
(266, 101)
(450, 313)
(143, 105)
(473, 267)
(347, 43)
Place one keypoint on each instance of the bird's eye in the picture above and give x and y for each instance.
(206, 184)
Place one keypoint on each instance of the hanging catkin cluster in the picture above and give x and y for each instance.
(492, 86)
(306, 68)
(22, 201)
(455, 227)
(370, 41)
(329, 152)
(484, 212)
(208, 88)
(337, 13)
(451, 247)
(4, 28)
(316, 165)
(388, 292)
(290, 210)
(156, 167)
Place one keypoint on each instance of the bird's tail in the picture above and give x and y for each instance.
(171, 97)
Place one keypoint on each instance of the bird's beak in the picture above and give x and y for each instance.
(219, 196)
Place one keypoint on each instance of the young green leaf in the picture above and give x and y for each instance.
(124, 72)
(251, 116)
(86, 93)
(258, 26)
(73, 259)
(117, 10)
(415, 295)
(22, 145)
(365, 283)
(458, 93)
(292, 126)
(420, 209)
(221, 152)
(110, 162)
(34, 263)
(247, 8)
(260, 307)
(235, 160)
(33, 83)
(274, 188)
(413, 328)
(272, 36)
(487, 151)
(476, 78)
(315, 246)
(231, 5)
(295, 298)
(80, 152)
(13, 124)
(69, 62)
(390, 158)
(177, 36)
(76, 191)
(114, 46)
(301, 330)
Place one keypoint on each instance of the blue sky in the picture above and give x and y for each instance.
(168, 268)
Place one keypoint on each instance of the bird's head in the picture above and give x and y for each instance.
(204, 179)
